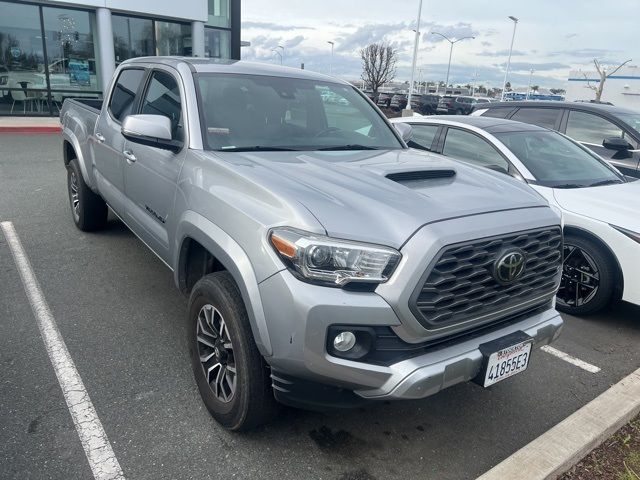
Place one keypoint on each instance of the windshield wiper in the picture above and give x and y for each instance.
(259, 148)
(349, 147)
(569, 185)
(606, 182)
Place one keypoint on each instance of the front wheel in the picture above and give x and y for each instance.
(232, 377)
(588, 277)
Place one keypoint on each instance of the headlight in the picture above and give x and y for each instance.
(632, 235)
(329, 261)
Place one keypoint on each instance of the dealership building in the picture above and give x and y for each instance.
(50, 51)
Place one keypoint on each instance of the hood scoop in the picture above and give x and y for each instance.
(416, 175)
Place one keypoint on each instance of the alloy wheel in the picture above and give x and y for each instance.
(216, 353)
(75, 197)
(580, 278)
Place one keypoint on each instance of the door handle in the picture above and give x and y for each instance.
(100, 137)
(128, 154)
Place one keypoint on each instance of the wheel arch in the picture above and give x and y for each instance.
(203, 245)
(70, 150)
(618, 288)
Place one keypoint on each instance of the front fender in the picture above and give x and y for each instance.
(231, 255)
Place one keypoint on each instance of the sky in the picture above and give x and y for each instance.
(552, 37)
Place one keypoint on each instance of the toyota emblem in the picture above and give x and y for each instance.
(509, 266)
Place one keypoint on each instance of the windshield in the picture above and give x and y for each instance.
(255, 112)
(558, 162)
(631, 119)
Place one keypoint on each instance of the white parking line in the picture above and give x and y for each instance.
(568, 358)
(97, 448)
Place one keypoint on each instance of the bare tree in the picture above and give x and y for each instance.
(604, 74)
(378, 64)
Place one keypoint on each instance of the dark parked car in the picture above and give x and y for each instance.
(384, 99)
(427, 104)
(399, 101)
(611, 132)
(459, 105)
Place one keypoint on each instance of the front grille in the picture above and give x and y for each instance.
(460, 287)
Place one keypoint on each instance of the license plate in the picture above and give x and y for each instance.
(504, 358)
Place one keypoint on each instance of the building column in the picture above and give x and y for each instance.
(106, 52)
(197, 39)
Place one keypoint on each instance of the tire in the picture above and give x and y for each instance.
(238, 400)
(579, 255)
(90, 212)
(459, 112)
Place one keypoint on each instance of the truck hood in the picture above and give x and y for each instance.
(616, 204)
(350, 195)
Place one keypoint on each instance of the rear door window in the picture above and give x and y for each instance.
(589, 128)
(543, 117)
(422, 136)
(472, 148)
(124, 92)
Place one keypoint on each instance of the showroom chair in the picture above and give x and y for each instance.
(24, 96)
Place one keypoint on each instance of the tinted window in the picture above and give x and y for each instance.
(555, 160)
(470, 147)
(163, 98)
(249, 111)
(543, 117)
(589, 128)
(124, 93)
(497, 112)
(422, 136)
(132, 37)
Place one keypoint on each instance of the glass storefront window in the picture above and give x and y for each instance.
(219, 13)
(217, 43)
(173, 38)
(71, 53)
(22, 79)
(132, 37)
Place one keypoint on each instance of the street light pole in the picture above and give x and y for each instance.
(506, 73)
(415, 56)
(331, 61)
(529, 88)
(451, 42)
(281, 56)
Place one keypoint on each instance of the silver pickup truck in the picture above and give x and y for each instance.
(326, 263)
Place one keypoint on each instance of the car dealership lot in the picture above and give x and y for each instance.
(123, 323)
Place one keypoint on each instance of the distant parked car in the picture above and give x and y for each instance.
(599, 206)
(427, 104)
(611, 132)
(384, 99)
(459, 105)
(398, 101)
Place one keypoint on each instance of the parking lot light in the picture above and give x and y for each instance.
(415, 56)
(451, 42)
(331, 60)
(506, 73)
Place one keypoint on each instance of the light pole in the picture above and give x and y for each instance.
(513, 37)
(452, 42)
(331, 61)
(529, 88)
(415, 57)
(279, 54)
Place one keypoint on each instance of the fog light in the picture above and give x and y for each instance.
(344, 341)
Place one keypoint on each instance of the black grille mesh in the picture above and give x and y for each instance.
(461, 285)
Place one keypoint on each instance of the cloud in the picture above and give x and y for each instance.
(570, 35)
(583, 52)
(486, 44)
(272, 26)
(458, 30)
(294, 42)
(501, 53)
(369, 33)
(538, 67)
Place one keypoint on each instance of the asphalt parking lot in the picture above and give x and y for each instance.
(123, 322)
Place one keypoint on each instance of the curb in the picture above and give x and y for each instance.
(25, 129)
(561, 447)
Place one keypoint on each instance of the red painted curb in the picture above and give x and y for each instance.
(26, 129)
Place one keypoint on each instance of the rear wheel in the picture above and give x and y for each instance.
(588, 277)
(232, 377)
(459, 112)
(88, 210)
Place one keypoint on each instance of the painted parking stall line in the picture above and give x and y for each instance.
(570, 359)
(103, 462)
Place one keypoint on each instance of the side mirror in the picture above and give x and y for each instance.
(405, 130)
(616, 143)
(150, 130)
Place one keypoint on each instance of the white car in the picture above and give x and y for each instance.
(600, 206)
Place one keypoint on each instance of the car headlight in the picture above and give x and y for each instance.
(632, 235)
(330, 261)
